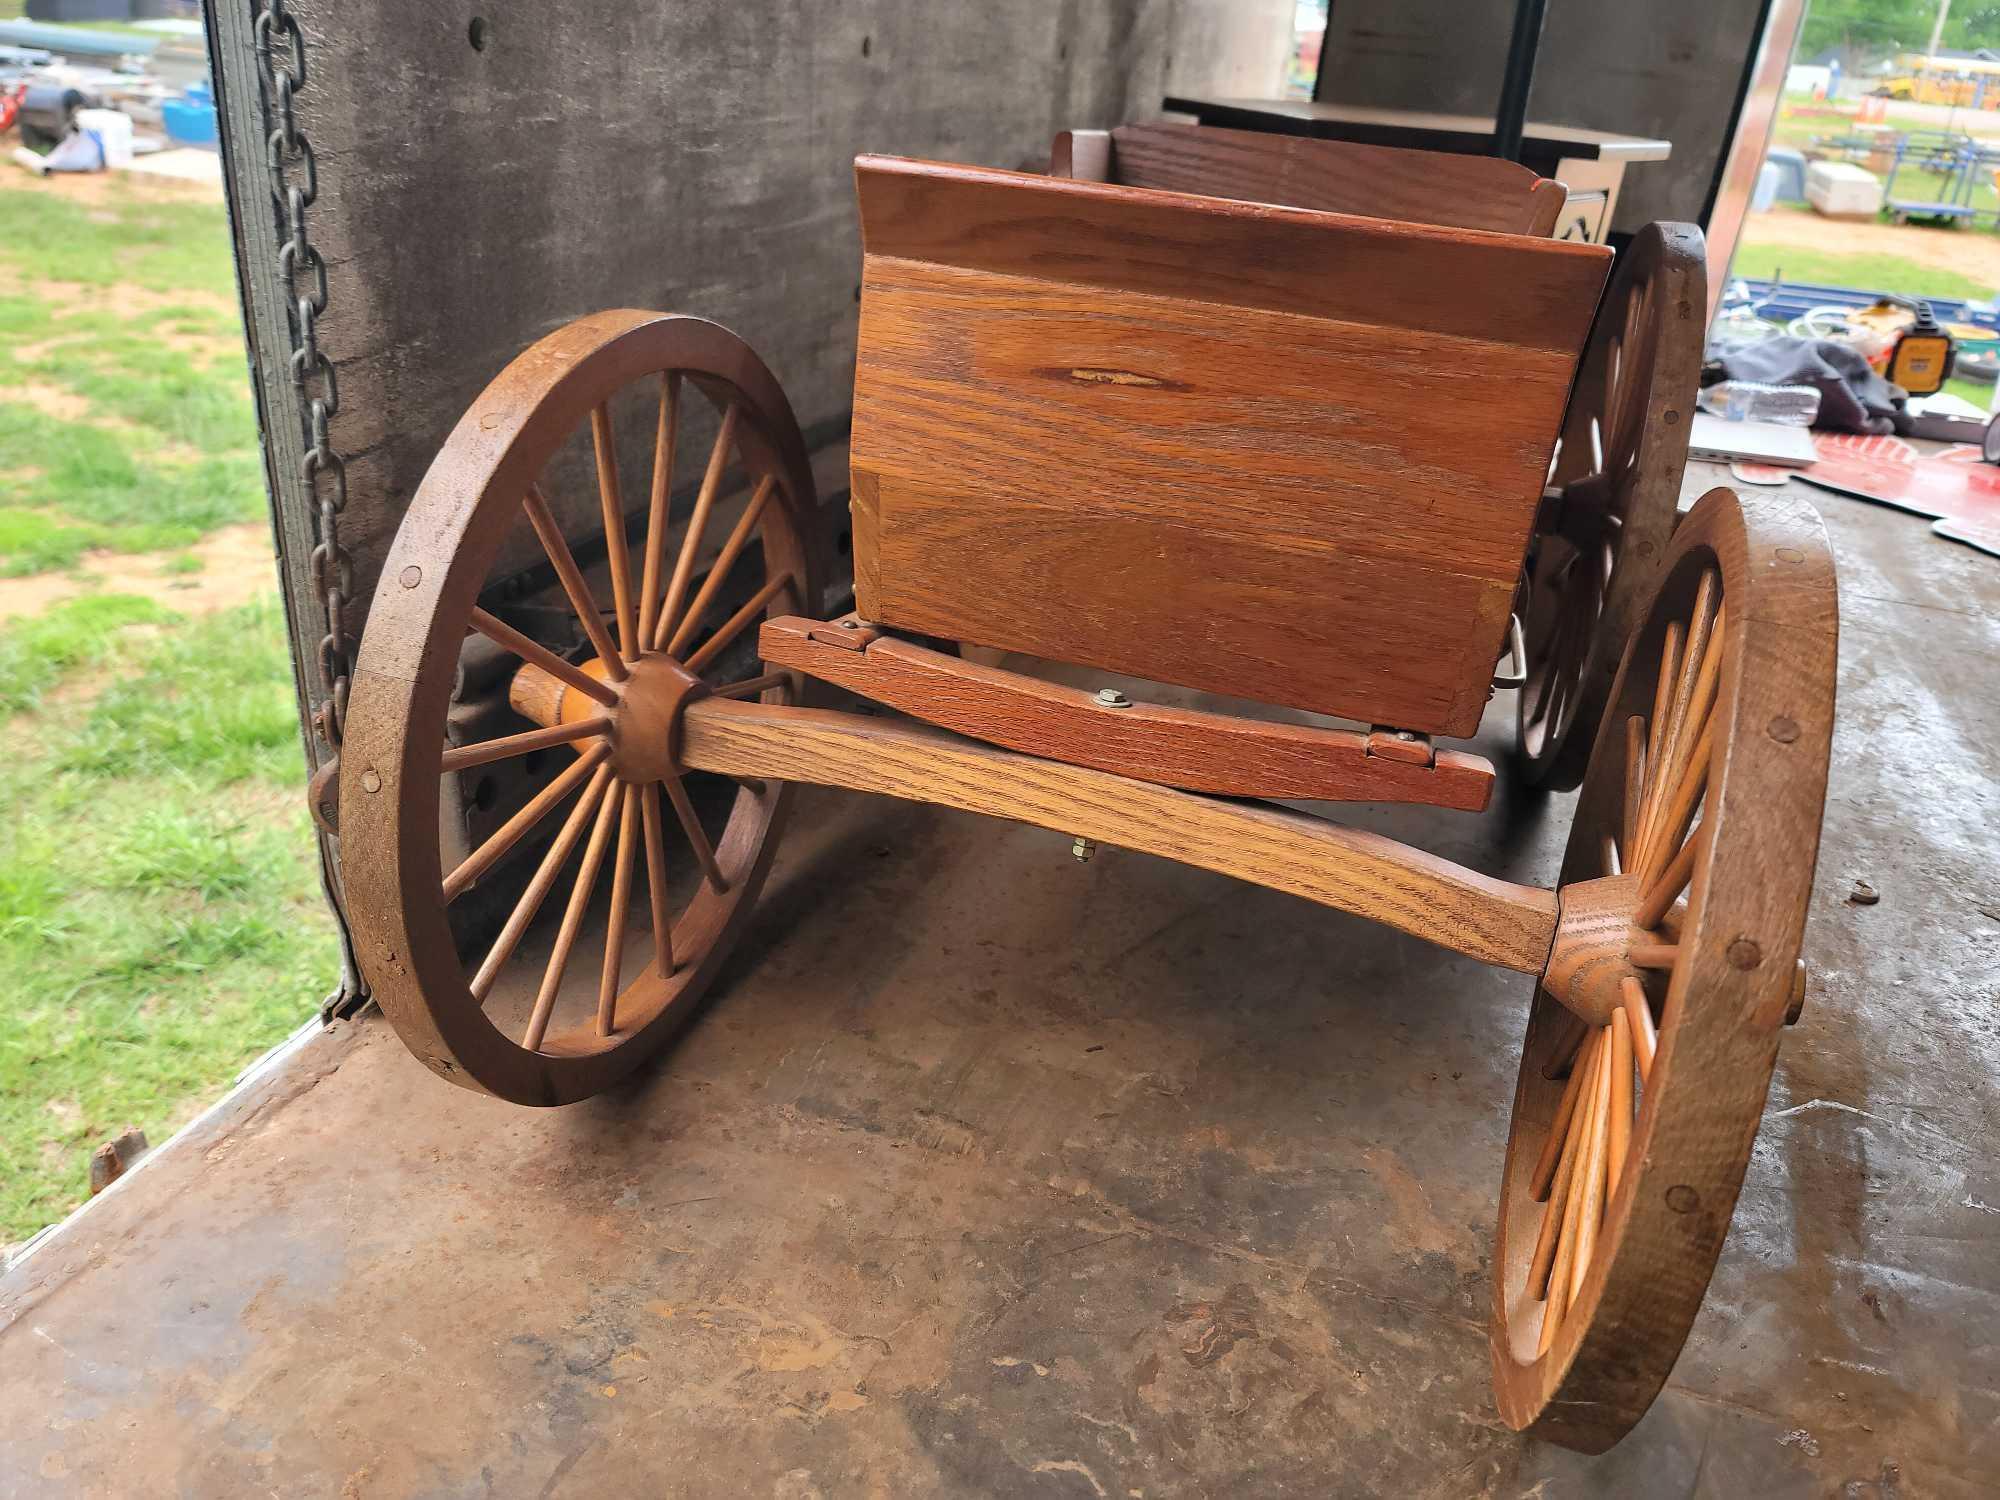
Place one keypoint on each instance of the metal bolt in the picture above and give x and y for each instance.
(847, 625)
(1110, 698)
(1083, 848)
(371, 780)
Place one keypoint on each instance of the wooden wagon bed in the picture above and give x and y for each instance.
(1281, 454)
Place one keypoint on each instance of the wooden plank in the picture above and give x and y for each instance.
(1494, 921)
(1212, 462)
(1505, 289)
(1385, 182)
(1203, 752)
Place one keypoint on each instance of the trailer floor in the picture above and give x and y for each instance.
(993, 1173)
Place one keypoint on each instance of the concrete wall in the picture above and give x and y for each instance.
(693, 156)
(1670, 71)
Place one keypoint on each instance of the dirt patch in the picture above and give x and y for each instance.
(66, 406)
(124, 299)
(50, 400)
(110, 187)
(238, 567)
(1970, 253)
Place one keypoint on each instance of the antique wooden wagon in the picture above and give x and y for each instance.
(1289, 460)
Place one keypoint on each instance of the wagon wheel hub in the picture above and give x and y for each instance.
(1597, 933)
(644, 724)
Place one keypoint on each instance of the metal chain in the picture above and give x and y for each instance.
(281, 77)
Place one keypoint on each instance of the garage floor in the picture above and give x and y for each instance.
(992, 1173)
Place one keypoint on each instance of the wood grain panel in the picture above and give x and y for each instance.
(1419, 187)
(1158, 434)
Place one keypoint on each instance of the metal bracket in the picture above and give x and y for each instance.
(1401, 744)
(1517, 653)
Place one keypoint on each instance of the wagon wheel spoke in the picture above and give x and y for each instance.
(711, 482)
(1677, 752)
(542, 518)
(704, 851)
(666, 437)
(516, 828)
(1635, 777)
(1661, 895)
(465, 757)
(573, 914)
(732, 548)
(621, 905)
(656, 880)
(1549, 651)
(505, 635)
(605, 446)
(1569, 650)
(1607, 446)
(737, 623)
(751, 687)
(537, 892)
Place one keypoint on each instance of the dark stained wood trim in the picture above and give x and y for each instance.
(1186, 748)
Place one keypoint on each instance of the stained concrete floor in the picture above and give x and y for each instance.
(994, 1174)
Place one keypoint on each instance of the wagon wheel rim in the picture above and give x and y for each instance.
(1632, 1130)
(1624, 449)
(602, 934)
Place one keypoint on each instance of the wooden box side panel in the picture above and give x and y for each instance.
(1227, 492)
(1422, 187)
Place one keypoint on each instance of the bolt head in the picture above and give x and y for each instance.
(1112, 698)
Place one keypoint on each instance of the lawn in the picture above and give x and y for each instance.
(1868, 270)
(160, 918)
(125, 414)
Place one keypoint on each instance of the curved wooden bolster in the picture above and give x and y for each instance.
(1182, 747)
(1494, 921)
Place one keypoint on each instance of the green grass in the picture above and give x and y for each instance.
(160, 916)
(36, 652)
(1869, 271)
(160, 923)
(155, 244)
(144, 436)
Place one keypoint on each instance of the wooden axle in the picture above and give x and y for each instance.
(1582, 942)
(1494, 921)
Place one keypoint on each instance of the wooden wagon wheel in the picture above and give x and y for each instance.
(1683, 903)
(656, 641)
(1624, 446)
